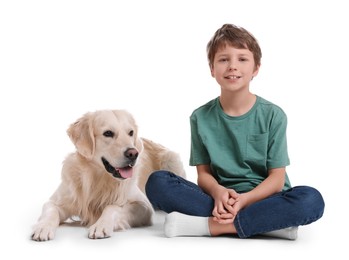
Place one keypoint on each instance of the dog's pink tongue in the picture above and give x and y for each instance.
(125, 172)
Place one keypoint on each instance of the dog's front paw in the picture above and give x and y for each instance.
(100, 230)
(43, 233)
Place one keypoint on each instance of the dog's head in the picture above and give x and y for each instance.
(110, 139)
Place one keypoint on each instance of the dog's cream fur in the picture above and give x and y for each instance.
(105, 201)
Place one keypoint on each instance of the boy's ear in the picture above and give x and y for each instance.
(256, 70)
(211, 70)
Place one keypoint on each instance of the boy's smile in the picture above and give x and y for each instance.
(232, 77)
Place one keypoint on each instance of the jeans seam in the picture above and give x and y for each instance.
(239, 228)
(196, 189)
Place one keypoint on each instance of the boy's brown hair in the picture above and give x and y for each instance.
(236, 37)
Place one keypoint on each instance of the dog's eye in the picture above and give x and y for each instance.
(130, 133)
(108, 133)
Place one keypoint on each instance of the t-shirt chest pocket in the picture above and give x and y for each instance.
(257, 147)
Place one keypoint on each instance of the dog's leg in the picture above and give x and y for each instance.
(132, 214)
(47, 224)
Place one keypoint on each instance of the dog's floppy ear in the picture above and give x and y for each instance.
(82, 136)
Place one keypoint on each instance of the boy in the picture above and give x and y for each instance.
(239, 148)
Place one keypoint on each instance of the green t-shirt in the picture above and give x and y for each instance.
(240, 150)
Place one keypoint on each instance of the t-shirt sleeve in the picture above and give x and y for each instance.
(198, 151)
(277, 148)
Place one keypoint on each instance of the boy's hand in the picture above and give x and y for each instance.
(224, 211)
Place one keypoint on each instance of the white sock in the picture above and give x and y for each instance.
(177, 224)
(287, 233)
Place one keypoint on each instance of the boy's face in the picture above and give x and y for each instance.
(233, 68)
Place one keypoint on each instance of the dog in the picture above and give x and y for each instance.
(103, 180)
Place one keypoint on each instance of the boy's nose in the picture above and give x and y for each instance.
(232, 66)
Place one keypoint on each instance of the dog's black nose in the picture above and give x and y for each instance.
(131, 153)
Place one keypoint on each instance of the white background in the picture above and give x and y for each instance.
(61, 59)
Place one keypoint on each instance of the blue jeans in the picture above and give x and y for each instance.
(300, 205)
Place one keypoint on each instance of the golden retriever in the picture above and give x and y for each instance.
(103, 181)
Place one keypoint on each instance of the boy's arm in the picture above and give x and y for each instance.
(271, 185)
(205, 179)
(223, 198)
